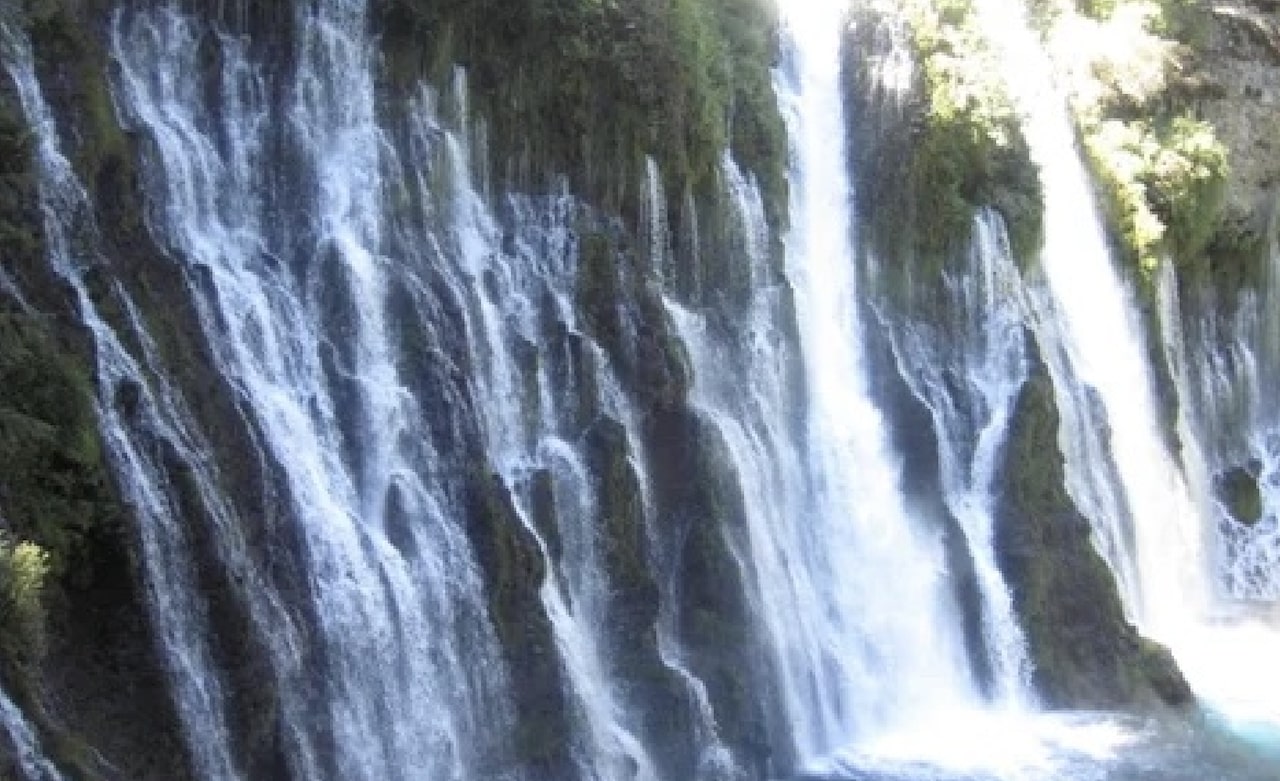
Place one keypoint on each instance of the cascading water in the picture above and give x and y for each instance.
(397, 699)
(821, 546)
(317, 325)
(854, 660)
(1093, 343)
(1153, 520)
(530, 288)
(389, 330)
(755, 426)
(967, 365)
(72, 236)
(1223, 366)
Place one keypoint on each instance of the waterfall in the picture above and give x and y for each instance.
(755, 424)
(402, 461)
(1154, 520)
(855, 660)
(850, 587)
(296, 310)
(1094, 344)
(962, 353)
(532, 424)
(1223, 364)
(134, 446)
(354, 280)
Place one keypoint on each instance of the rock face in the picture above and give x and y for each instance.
(1239, 492)
(98, 675)
(1085, 654)
(1234, 81)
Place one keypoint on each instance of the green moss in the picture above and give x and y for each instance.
(969, 151)
(1161, 171)
(513, 572)
(588, 88)
(1084, 651)
(53, 481)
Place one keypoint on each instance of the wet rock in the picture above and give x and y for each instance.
(1238, 491)
(1085, 652)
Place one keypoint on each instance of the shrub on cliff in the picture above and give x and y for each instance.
(24, 567)
(1161, 171)
(970, 148)
(1163, 183)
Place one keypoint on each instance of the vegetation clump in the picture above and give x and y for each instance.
(24, 568)
(970, 149)
(1161, 171)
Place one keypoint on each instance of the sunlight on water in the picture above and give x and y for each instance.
(857, 658)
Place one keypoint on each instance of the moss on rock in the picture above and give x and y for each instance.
(513, 570)
(971, 151)
(588, 89)
(928, 158)
(1085, 653)
(1238, 491)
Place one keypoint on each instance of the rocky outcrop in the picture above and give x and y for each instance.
(1233, 80)
(1239, 492)
(1084, 651)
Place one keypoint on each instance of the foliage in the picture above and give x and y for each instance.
(1162, 172)
(1181, 20)
(970, 151)
(24, 568)
(1163, 184)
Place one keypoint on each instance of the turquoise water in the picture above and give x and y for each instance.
(1067, 747)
